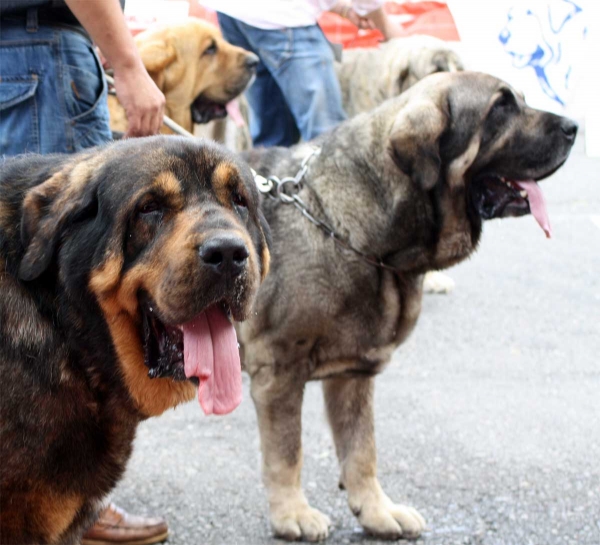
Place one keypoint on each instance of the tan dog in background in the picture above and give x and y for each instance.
(198, 72)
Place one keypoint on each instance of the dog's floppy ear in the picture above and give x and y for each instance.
(266, 246)
(445, 60)
(65, 197)
(415, 141)
(156, 54)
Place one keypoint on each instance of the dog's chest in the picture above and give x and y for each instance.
(325, 324)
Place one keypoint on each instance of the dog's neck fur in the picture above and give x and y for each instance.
(396, 201)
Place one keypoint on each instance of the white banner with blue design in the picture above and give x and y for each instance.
(548, 49)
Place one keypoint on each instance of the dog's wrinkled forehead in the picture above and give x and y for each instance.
(196, 170)
(468, 99)
(471, 95)
(442, 118)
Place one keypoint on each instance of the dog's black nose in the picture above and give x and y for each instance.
(252, 61)
(225, 254)
(569, 128)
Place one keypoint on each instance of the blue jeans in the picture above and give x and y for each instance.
(52, 90)
(296, 92)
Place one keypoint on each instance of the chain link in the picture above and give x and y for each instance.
(275, 189)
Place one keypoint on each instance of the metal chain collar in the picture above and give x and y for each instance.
(275, 188)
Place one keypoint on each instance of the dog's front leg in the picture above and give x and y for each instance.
(278, 402)
(349, 403)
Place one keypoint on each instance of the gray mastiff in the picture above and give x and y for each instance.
(408, 185)
(368, 76)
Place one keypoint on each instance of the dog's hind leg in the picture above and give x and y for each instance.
(278, 402)
(349, 403)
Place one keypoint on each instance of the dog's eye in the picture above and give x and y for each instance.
(239, 200)
(149, 207)
(211, 49)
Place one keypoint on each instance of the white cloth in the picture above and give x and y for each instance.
(275, 14)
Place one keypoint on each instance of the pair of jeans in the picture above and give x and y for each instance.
(52, 89)
(296, 92)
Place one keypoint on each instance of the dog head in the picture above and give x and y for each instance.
(198, 71)
(370, 76)
(475, 151)
(409, 60)
(160, 235)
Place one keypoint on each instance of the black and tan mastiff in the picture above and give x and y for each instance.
(408, 184)
(120, 270)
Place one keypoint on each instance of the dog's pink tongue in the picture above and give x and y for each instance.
(537, 204)
(210, 352)
(233, 110)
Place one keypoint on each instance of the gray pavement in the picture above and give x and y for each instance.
(488, 419)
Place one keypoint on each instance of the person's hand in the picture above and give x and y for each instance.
(143, 101)
(344, 9)
(385, 25)
(362, 23)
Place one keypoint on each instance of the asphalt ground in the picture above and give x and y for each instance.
(488, 418)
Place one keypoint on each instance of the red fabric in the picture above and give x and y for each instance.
(427, 17)
(432, 18)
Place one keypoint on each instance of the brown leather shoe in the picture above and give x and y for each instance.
(116, 527)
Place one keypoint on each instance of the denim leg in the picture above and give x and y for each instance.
(27, 75)
(296, 76)
(309, 83)
(52, 94)
(85, 93)
(271, 121)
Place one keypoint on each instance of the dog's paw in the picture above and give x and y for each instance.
(437, 282)
(386, 520)
(300, 522)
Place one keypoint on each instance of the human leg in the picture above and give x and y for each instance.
(309, 84)
(52, 93)
(85, 91)
(271, 121)
(115, 525)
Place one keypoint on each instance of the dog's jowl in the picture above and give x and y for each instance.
(121, 270)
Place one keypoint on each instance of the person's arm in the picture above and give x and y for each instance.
(143, 102)
(367, 14)
(382, 22)
(344, 9)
